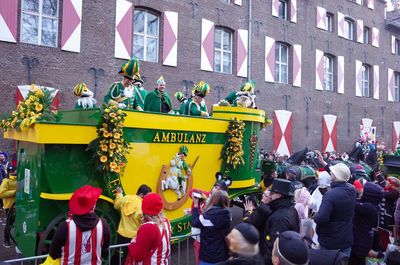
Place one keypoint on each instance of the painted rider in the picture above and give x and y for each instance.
(196, 106)
(86, 100)
(138, 90)
(122, 93)
(158, 100)
(184, 169)
(246, 90)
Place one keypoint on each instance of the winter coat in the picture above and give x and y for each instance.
(387, 208)
(397, 213)
(284, 217)
(334, 218)
(214, 224)
(365, 219)
(7, 191)
(242, 260)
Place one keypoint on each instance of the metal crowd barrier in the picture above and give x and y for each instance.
(176, 250)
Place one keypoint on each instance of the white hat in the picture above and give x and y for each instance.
(324, 179)
(341, 172)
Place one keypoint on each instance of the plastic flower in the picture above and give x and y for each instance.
(112, 145)
(105, 125)
(106, 134)
(38, 107)
(113, 165)
(103, 159)
(104, 148)
(112, 115)
(117, 135)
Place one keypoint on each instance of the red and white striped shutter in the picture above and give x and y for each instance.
(8, 20)
(275, 8)
(360, 31)
(393, 44)
(283, 126)
(359, 2)
(367, 122)
(242, 52)
(296, 65)
(395, 134)
(320, 18)
(237, 2)
(207, 45)
(170, 38)
(319, 70)
(269, 59)
(123, 29)
(358, 78)
(375, 37)
(340, 76)
(293, 11)
(376, 82)
(340, 24)
(71, 25)
(390, 85)
(329, 133)
(371, 4)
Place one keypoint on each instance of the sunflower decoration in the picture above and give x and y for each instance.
(266, 122)
(233, 151)
(110, 147)
(35, 107)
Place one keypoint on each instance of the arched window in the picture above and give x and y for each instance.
(223, 50)
(281, 62)
(146, 35)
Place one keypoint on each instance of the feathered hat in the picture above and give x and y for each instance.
(184, 150)
(180, 96)
(249, 86)
(202, 89)
(81, 90)
(130, 68)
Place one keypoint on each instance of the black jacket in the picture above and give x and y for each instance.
(284, 217)
(214, 224)
(241, 260)
(335, 216)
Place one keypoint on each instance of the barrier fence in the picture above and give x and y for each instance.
(177, 243)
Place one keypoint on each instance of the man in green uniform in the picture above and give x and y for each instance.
(121, 93)
(158, 100)
(139, 92)
(182, 101)
(247, 89)
(196, 106)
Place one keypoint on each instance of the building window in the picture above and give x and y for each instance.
(281, 62)
(329, 22)
(283, 9)
(397, 47)
(365, 80)
(328, 72)
(39, 22)
(223, 51)
(349, 29)
(366, 35)
(396, 86)
(146, 35)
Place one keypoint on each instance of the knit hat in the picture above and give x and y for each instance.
(152, 204)
(249, 86)
(4, 154)
(358, 171)
(282, 186)
(84, 199)
(341, 172)
(160, 80)
(130, 68)
(292, 248)
(324, 179)
(392, 184)
(372, 193)
(249, 232)
(248, 237)
(294, 171)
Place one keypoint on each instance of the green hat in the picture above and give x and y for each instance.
(79, 88)
(202, 89)
(179, 96)
(161, 80)
(130, 68)
(184, 150)
(249, 86)
(137, 78)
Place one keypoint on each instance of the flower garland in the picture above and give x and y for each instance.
(233, 151)
(110, 147)
(266, 122)
(36, 107)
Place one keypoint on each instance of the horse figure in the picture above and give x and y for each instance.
(175, 181)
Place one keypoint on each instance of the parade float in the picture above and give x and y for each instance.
(110, 147)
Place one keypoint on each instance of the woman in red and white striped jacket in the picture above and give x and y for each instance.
(152, 243)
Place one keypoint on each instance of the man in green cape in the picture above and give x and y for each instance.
(158, 100)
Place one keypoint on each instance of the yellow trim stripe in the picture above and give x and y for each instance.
(243, 114)
(242, 183)
(238, 109)
(67, 196)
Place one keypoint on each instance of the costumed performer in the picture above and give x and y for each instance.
(196, 106)
(121, 93)
(158, 100)
(86, 100)
(182, 101)
(138, 90)
(245, 97)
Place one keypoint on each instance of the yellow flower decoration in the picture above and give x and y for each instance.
(39, 107)
(103, 159)
(113, 165)
(112, 145)
(106, 134)
(112, 115)
(117, 135)
(104, 148)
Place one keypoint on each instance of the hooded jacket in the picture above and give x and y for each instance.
(214, 224)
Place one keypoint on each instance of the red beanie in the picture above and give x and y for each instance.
(152, 204)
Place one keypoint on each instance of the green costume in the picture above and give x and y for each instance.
(194, 109)
(140, 95)
(231, 98)
(158, 101)
(116, 95)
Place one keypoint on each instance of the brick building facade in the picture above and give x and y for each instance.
(336, 57)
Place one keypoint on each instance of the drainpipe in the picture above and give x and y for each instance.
(249, 40)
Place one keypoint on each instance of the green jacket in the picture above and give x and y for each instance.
(140, 95)
(115, 95)
(154, 101)
(231, 98)
(194, 109)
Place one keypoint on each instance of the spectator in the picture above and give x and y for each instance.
(293, 174)
(84, 231)
(130, 208)
(151, 246)
(290, 248)
(283, 217)
(3, 165)
(214, 223)
(324, 184)
(334, 218)
(7, 193)
(365, 219)
(243, 244)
